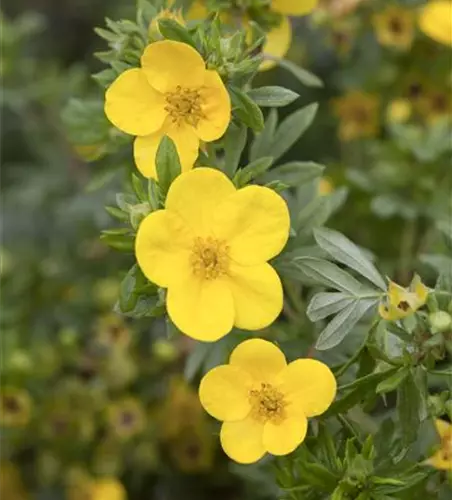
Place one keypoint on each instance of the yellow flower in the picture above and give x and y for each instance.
(263, 401)
(15, 407)
(175, 15)
(442, 459)
(436, 105)
(395, 27)
(358, 115)
(277, 44)
(325, 186)
(294, 7)
(193, 449)
(111, 331)
(398, 111)
(100, 489)
(210, 248)
(171, 94)
(126, 418)
(402, 302)
(435, 21)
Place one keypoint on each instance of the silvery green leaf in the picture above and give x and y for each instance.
(261, 146)
(324, 304)
(295, 173)
(346, 252)
(272, 96)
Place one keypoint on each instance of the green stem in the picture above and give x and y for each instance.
(347, 425)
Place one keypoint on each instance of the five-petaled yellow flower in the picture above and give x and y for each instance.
(171, 94)
(402, 302)
(108, 488)
(263, 401)
(210, 248)
(442, 459)
(394, 27)
(435, 21)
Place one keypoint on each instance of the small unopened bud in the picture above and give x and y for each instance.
(164, 351)
(441, 321)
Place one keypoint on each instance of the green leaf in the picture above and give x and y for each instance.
(392, 382)
(262, 143)
(317, 476)
(326, 273)
(272, 96)
(325, 304)
(346, 252)
(342, 324)
(304, 76)
(117, 213)
(408, 404)
(252, 170)
(127, 297)
(247, 110)
(234, 143)
(196, 358)
(139, 189)
(295, 173)
(122, 242)
(292, 128)
(172, 30)
(167, 163)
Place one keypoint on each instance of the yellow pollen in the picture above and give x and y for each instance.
(184, 105)
(210, 258)
(267, 404)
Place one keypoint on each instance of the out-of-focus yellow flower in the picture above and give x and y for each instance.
(11, 485)
(442, 459)
(326, 186)
(15, 407)
(175, 15)
(402, 302)
(210, 248)
(435, 21)
(340, 8)
(181, 409)
(171, 94)
(394, 27)
(263, 401)
(276, 44)
(97, 489)
(192, 450)
(358, 115)
(184, 430)
(126, 418)
(342, 37)
(294, 7)
(399, 111)
(112, 332)
(436, 105)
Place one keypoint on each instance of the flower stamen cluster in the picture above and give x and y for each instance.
(210, 258)
(184, 104)
(267, 404)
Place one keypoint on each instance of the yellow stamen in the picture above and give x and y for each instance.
(267, 404)
(210, 258)
(184, 105)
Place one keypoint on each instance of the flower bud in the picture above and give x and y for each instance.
(441, 321)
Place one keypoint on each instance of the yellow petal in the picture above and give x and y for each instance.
(443, 428)
(224, 393)
(255, 221)
(277, 44)
(440, 461)
(257, 294)
(195, 195)
(436, 21)
(294, 7)
(107, 489)
(420, 290)
(162, 247)
(216, 108)
(260, 358)
(284, 437)
(243, 440)
(145, 148)
(133, 106)
(168, 64)
(202, 309)
(308, 384)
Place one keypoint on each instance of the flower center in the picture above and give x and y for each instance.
(396, 25)
(184, 105)
(210, 258)
(11, 404)
(267, 404)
